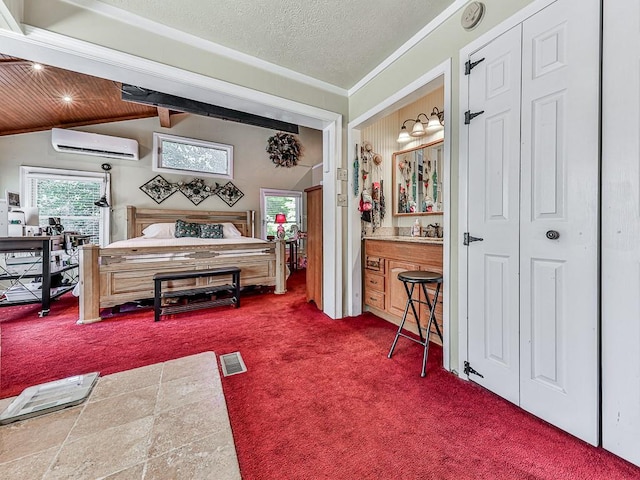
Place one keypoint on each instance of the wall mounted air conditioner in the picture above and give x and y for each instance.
(73, 141)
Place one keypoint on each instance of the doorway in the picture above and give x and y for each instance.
(438, 76)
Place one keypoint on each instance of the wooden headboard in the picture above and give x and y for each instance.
(140, 218)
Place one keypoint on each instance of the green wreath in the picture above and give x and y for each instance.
(284, 150)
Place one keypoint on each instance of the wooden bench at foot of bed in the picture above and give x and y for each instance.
(114, 276)
(204, 276)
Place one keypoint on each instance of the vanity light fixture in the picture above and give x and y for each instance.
(436, 120)
(417, 130)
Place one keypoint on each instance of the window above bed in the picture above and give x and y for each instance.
(182, 155)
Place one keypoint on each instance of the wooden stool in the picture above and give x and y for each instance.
(413, 278)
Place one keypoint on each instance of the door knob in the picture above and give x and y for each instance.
(553, 235)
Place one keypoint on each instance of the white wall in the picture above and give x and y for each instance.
(252, 167)
(443, 43)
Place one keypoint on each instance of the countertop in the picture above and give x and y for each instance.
(402, 238)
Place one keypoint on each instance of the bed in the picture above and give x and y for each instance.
(123, 271)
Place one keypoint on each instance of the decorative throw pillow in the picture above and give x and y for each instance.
(211, 230)
(160, 230)
(185, 229)
(229, 230)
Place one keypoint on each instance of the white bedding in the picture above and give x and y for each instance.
(182, 241)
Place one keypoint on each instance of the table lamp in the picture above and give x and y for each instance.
(280, 219)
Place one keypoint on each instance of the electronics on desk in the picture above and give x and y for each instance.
(13, 199)
(16, 223)
(23, 221)
(54, 228)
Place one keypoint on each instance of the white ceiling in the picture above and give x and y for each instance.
(335, 41)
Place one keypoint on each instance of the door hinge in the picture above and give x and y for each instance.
(469, 65)
(468, 369)
(468, 116)
(468, 239)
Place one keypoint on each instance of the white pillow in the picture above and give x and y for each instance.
(229, 230)
(160, 230)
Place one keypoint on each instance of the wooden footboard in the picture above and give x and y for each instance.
(114, 276)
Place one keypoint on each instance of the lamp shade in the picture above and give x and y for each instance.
(434, 123)
(418, 129)
(404, 136)
(281, 218)
(435, 120)
(102, 202)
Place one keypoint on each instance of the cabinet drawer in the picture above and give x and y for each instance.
(375, 264)
(374, 299)
(373, 281)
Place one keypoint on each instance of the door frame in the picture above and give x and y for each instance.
(72, 54)
(463, 165)
(403, 97)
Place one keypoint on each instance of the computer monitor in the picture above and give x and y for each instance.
(31, 216)
(13, 199)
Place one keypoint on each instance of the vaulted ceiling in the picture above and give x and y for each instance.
(34, 100)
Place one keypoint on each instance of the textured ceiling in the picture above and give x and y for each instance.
(337, 41)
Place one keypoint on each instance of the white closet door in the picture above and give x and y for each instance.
(559, 193)
(494, 158)
(621, 230)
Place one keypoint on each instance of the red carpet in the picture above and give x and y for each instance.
(320, 399)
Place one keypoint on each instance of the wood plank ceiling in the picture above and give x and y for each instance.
(33, 100)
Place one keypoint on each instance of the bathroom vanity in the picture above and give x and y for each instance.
(384, 295)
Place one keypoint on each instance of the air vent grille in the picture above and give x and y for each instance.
(232, 364)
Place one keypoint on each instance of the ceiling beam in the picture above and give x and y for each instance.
(131, 93)
(165, 117)
(11, 61)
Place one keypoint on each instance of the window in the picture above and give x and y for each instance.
(70, 195)
(173, 154)
(280, 201)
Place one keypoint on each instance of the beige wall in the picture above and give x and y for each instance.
(252, 167)
(383, 135)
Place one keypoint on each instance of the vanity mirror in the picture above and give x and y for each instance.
(417, 180)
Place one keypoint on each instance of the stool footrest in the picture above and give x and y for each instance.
(422, 278)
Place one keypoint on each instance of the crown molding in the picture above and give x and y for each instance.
(409, 44)
(77, 54)
(202, 44)
(11, 12)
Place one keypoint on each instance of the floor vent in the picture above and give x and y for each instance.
(49, 397)
(232, 364)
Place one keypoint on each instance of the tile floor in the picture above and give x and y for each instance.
(163, 421)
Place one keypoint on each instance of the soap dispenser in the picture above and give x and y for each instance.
(415, 230)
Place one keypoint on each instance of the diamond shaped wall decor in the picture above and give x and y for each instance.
(196, 190)
(229, 193)
(159, 189)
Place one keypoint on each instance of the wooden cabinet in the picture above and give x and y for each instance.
(314, 245)
(385, 295)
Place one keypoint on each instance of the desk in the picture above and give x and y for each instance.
(43, 246)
